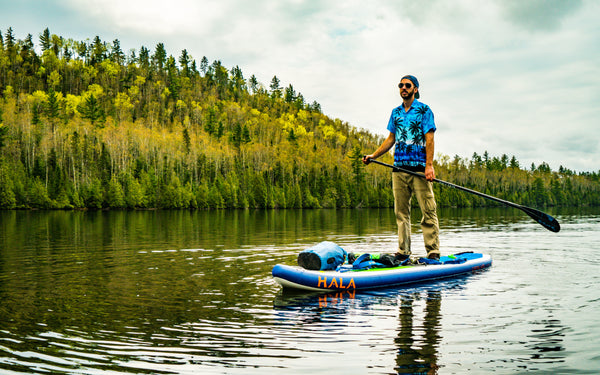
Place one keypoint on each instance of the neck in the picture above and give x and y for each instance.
(408, 102)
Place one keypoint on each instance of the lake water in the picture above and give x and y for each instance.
(190, 292)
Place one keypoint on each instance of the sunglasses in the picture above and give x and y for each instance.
(407, 85)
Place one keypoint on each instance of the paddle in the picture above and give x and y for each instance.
(544, 219)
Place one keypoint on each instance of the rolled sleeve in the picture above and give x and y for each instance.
(391, 127)
(428, 123)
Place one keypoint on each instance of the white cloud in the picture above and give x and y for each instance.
(157, 18)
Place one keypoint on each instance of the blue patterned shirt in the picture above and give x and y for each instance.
(409, 129)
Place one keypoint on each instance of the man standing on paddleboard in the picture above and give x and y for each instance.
(411, 128)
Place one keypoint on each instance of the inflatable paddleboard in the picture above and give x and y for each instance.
(350, 279)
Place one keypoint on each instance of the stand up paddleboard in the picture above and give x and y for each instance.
(296, 277)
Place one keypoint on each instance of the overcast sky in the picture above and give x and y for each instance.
(515, 77)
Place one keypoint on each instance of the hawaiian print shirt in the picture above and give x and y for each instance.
(409, 129)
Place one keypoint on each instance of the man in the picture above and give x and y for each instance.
(411, 128)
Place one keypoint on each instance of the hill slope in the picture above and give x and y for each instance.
(82, 125)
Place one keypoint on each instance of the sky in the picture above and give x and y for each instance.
(514, 77)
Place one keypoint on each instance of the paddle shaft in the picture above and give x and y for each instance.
(542, 218)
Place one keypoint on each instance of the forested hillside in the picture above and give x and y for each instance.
(85, 125)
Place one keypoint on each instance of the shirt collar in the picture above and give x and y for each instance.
(414, 104)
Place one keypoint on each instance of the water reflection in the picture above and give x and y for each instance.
(416, 311)
(548, 341)
(191, 292)
(415, 338)
(418, 344)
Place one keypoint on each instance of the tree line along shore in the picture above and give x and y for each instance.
(84, 125)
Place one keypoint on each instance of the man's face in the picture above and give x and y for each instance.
(407, 89)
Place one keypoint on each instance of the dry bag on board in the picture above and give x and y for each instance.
(325, 255)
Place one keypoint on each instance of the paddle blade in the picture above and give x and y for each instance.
(544, 219)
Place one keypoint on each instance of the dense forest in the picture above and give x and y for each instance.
(85, 125)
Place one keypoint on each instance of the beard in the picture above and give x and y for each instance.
(408, 95)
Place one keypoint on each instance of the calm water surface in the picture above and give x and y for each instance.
(179, 292)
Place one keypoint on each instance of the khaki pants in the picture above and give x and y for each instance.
(404, 186)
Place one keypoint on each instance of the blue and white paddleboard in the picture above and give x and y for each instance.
(349, 279)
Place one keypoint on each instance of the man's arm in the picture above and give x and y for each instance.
(385, 147)
(429, 150)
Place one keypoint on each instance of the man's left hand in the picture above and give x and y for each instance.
(429, 173)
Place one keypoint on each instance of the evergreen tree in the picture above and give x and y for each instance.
(9, 42)
(144, 58)
(173, 78)
(52, 106)
(204, 65)
(184, 63)
(3, 133)
(116, 54)
(91, 109)
(275, 88)
(115, 198)
(187, 141)
(159, 58)
(98, 51)
(253, 84)
(357, 166)
(290, 94)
